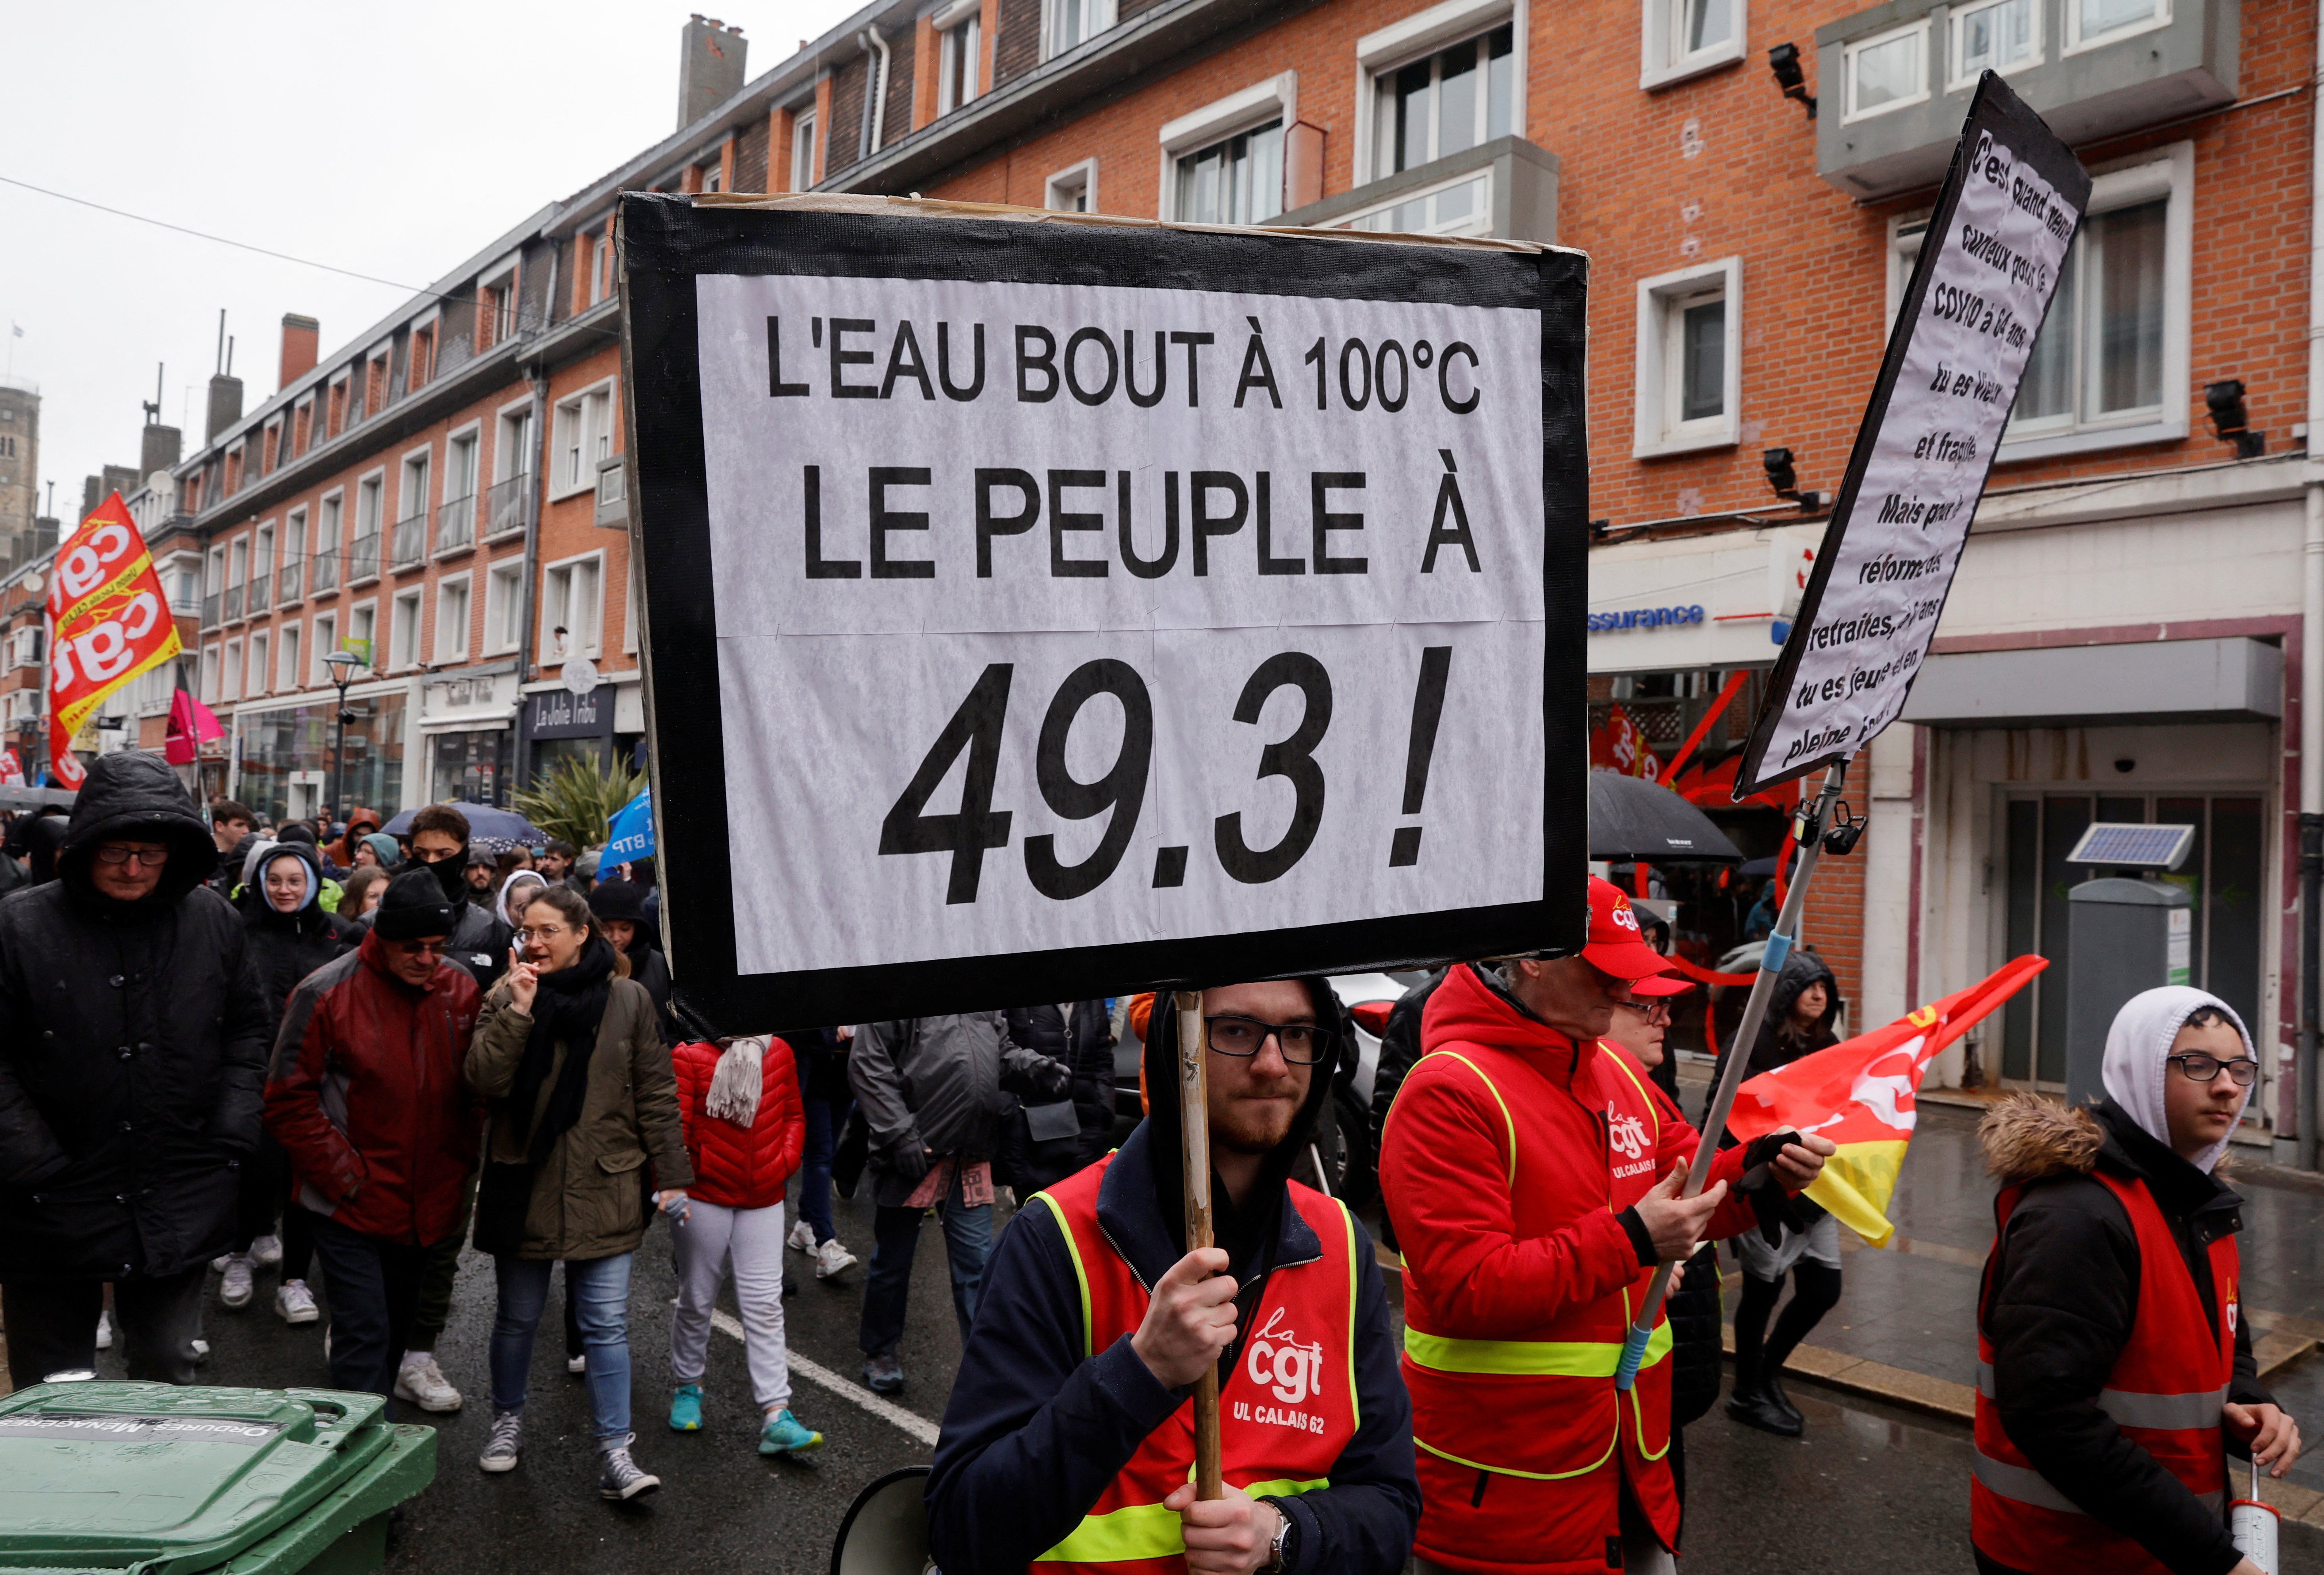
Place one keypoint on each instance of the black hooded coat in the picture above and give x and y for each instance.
(286, 947)
(133, 1049)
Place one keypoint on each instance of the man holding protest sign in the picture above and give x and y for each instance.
(1069, 1440)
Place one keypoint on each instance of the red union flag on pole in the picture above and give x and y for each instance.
(1861, 1093)
(108, 622)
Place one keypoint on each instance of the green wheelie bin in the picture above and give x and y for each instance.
(98, 1476)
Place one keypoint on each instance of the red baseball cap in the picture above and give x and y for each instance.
(1617, 947)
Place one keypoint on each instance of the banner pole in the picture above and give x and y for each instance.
(1195, 1152)
(1807, 828)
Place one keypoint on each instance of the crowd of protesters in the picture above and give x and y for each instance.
(329, 1051)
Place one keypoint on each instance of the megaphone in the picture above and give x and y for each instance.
(886, 1530)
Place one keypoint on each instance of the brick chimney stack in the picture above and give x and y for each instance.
(710, 67)
(301, 342)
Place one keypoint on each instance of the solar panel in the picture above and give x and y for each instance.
(2125, 844)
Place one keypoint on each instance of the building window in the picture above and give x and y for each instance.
(803, 134)
(1689, 379)
(503, 607)
(601, 264)
(585, 434)
(1073, 189)
(497, 310)
(258, 662)
(209, 690)
(230, 674)
(326, 524)
(403, 631)
(1071, 22)
(452, 621)
(1452, 100)
(422, 362)
(960, 34)
(289, 658)
(2003, 36)
(710, 178)
(2089, 23)
(1888, 72)
(369, 504)
(1685, 38)
(570, 600)
(1238, 180)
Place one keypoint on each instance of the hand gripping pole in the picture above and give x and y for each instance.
(1807, 831)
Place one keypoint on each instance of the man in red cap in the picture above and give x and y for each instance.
(1532, 1172)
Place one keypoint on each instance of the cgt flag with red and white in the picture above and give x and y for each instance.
(108, 622)
(1862, 1094)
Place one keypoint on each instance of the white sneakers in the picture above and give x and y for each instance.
(236, 1289)
(801, 1238)
(266, 1251)
(830, 1257)
(420, 1381)
(105, 1329)
(295, 1303)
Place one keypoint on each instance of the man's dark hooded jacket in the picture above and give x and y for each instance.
(479, 944)
(133, 1049)
(1034, 1433)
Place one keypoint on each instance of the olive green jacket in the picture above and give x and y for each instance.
(589, 1195)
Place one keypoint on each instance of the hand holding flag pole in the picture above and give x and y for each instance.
(1807, 829)
(1195, 1152)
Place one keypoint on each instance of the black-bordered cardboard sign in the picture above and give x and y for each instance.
(1990, 264)
(1038, 611)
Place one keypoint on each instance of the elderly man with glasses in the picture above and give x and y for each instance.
(133, 1044)
(1068, 1442)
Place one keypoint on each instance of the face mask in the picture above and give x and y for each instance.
(452, 875)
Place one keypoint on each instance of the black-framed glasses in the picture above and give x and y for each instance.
(148, 858)
(1303, 1043)
(2201, 1068)
(1657, 1012)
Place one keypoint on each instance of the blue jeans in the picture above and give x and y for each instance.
(968, 1242)
(826, 1121)
(600, 1289)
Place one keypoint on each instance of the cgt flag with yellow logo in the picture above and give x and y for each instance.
(108, 622)
(1862, 1092)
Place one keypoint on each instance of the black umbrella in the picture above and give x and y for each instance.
(1634, 821)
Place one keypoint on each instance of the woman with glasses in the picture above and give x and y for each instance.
(585, 1123)
(2115, 1360)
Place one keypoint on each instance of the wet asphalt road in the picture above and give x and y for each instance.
(1870, 1488)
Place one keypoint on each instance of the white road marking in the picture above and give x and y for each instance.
(911, 1422)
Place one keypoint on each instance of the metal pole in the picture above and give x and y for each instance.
(1195, 1152)
(339, 760)
(1808, 830)
(2311, 943)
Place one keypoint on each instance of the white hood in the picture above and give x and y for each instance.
(2137, 1045)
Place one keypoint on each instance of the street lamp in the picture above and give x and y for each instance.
(343, 664)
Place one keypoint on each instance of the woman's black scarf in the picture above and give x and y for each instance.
(569, 1005)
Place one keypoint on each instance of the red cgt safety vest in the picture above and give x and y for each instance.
(2165, 1393)
(1286, 1412)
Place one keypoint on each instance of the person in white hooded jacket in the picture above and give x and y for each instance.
(2114, 1366)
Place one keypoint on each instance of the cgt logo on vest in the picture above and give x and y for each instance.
(1625, 1135)
(1277, 1358)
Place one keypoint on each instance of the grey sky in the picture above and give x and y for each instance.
(393, 140)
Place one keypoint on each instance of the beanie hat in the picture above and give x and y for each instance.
(414, 906)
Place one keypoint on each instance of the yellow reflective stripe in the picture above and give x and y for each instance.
(1355, 1405)
(1531, 1359)
(1528, 1476)
(1489, 1089)
(1653, 1111)
(1073, 1251)
(1638, 1417)
(1148, 1531)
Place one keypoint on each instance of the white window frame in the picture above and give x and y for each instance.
(209, 685)
(456, 649)
(1276, 98)
(2167, 171)
(1101, 17)
(1957, 81)
(1657, 434)
(959, 28)
(1660, 25)
(1479, 222)
(367, 614)
(332, 506)
(1906, 231)
(230, 672)
(577, 404)
(326, 641)
(371, 494)
(1849, 114)
(505, 418)
(504, 605)
(2075, 43)
(594, 644)
(402, 654)
(1424, 33)
(262, 654)
(287, 651)
(1074, 178)
(633, 614)
(805, 125)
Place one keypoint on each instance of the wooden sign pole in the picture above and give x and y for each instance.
(1194, 1151)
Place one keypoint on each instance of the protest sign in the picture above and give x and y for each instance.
(1050, 610)
(1989, 265)
(108, 622)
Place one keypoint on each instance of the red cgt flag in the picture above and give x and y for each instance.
(108, 622)
(1861, 1094)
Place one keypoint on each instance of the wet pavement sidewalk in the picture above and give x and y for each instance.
(1905, 1332)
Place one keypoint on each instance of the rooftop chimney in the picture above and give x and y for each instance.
(160, 448)
(299, 347)
(226, 406)
(710, 67)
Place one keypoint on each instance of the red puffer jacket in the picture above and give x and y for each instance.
(734, 1168)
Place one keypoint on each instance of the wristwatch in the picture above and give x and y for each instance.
(1278, 1552)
